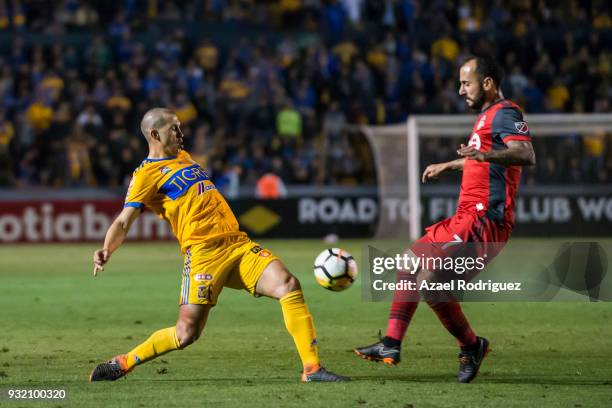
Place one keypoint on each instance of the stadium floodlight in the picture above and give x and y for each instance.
(397, 158)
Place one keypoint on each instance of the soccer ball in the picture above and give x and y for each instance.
(335, 269)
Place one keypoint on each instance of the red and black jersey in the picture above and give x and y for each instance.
(489, 188)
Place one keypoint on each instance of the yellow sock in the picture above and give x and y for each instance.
(160, 342)
(300, 325)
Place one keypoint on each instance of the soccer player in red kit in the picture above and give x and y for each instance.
(491, 162)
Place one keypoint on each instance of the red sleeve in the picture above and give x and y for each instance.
(508, 124)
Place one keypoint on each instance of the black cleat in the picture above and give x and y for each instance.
(322, 375)
(470, 360)
(109, 371)
(379, 352)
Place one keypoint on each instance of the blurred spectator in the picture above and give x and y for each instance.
(593, 160)
(334, 121)
(289, 122)
(230, 182)
(270, 187)
(39, 115)
(557, 96)
(254, 98)
(335, 18)
(184, 109)
(207, 56)
(7, 132)
(89, 118)
(445, 47)
(79, 172)
(353, 10)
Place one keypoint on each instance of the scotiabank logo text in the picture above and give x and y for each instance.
(71, 221)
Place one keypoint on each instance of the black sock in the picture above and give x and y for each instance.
(389, 342)
(470, 347)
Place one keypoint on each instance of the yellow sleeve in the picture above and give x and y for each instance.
(140, 190)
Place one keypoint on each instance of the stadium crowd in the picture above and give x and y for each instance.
(278, 101)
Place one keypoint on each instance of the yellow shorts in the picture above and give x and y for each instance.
(234, 262)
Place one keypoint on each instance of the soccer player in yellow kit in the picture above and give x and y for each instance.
(217, 253)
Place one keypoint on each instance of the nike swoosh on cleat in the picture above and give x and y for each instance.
(386, 352)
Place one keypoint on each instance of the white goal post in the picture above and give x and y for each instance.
(389, 143)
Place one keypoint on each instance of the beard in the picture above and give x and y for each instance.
(478, 101)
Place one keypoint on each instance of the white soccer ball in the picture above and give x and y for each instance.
(335, 269)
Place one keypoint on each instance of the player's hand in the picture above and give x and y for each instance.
(101, 256)
(470, 152)
(433, 171)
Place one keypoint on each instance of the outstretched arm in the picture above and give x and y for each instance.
(518, 153)
(114, 237)
(435, 170)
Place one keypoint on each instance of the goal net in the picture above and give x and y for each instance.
(572, 152)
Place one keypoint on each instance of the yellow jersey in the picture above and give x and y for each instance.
(180, 191)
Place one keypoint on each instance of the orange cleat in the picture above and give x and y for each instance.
(111, 370)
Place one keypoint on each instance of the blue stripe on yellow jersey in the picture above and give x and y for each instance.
(180, 191)
(180, 181)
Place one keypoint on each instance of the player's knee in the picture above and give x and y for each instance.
(187, 334)
(427, 277)
(289, 284)
(293, 284)
(187, 338)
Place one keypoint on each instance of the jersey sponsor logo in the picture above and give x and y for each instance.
(181, 180)
(202, 188)
(202, 277)
(521, 127)
(264, 253)
(475, 141)
(481, 123)
(204, 292)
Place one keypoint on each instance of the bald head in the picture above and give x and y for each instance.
(155, 118)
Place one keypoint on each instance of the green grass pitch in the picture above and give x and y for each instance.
(57, 323)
